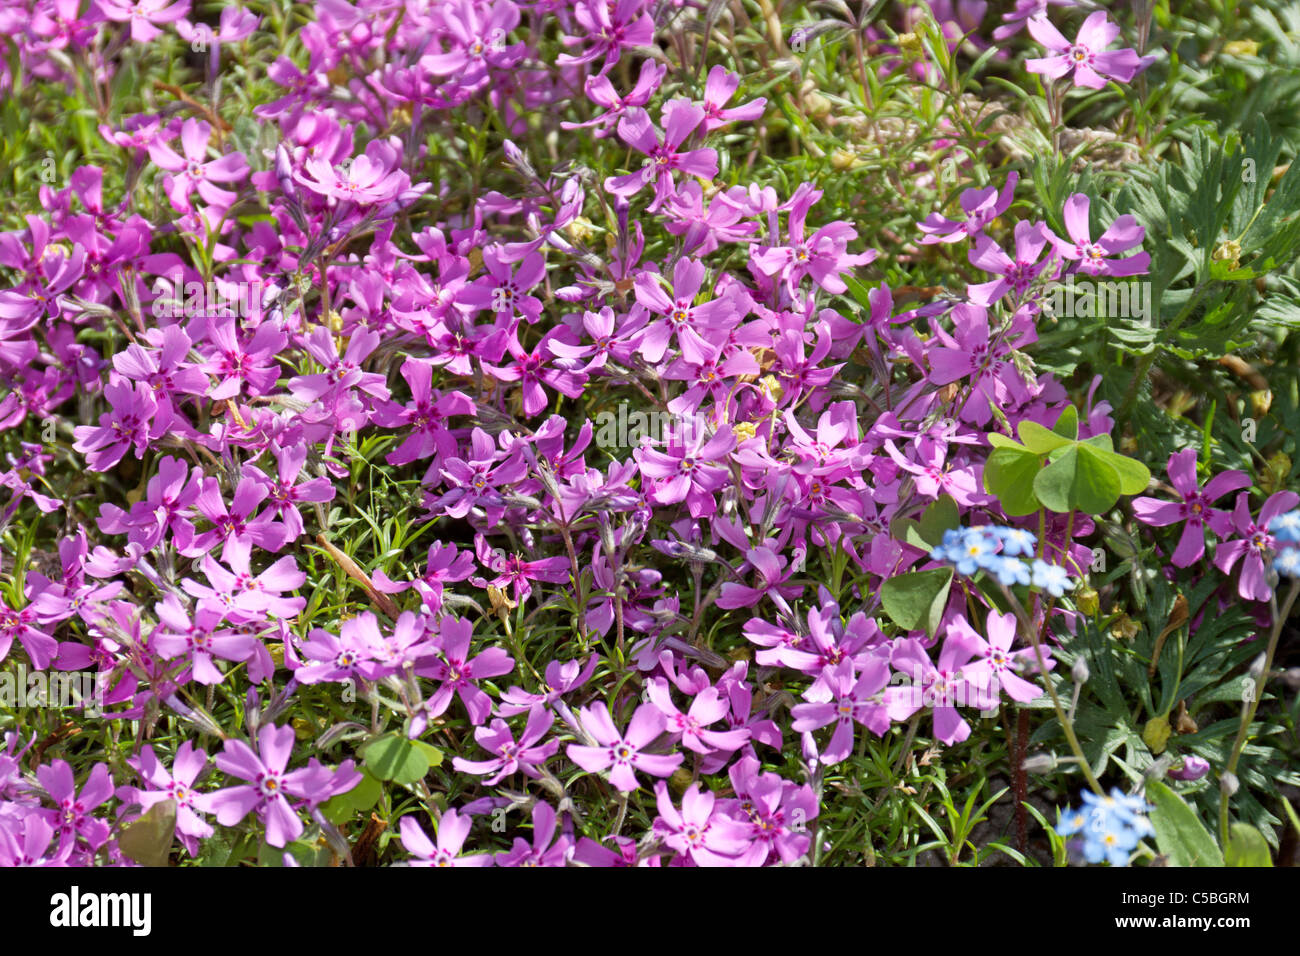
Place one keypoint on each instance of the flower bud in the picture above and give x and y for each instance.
(252, 712)
(284, 172)
(606, 536)
(1080, 671)
(1039, 763)
(1241, 48)
(572, 293)
(635, 526)
(1192, 768)
(911, 46)
(690, 552)
(518, 160)
(843, 159)
(1228, 783)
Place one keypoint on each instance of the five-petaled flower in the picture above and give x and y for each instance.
(1087, 57)
(620, 753)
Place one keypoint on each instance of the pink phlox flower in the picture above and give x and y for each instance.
(561, 678)
(845, 697)
(523, 755)
(453, 829)
(177, 785)
(458, 672)
(941, 688)
(144, 15)
(699, 831)
(1194, 509)
(620, 753)
(1087, 57)
(996, 666)
(193, 171)
(663, 152)
(269, 786)
(1253, 544)
(541, 852)
(691, 727)
(1094, 257)
(720, 87)
(72, 814)
(981, 206)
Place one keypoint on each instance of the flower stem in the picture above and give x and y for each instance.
(1248, 714)
(1029, 632)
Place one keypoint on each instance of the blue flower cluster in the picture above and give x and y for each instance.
(1110, 826)
(997, 551)
(1285, 529)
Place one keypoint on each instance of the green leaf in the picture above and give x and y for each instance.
(431, 753)
(938, 518)
(342, 807)
(1067, 426)
(906, 530)
(338, 809)
(1291, 814)
(1038, 439)
(1246, 847)
(859, 291)
(1080, 478)
(1180, 835)
(1224, 272)
(393, 757)
(1010, 475)
(1133, 475)
(303, 854)
(148, 840)
(916, 600)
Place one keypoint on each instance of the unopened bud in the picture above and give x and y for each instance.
(1292, 678)
(284, 171)
(1192, 768)
(1080, 671)
(634, 527)
(522, 501)
(843, 159)
(570, 293)
(517, 159)
(1228, 783)
(690, 552)
(911, 46)
(1039, 763)
(606, 536)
